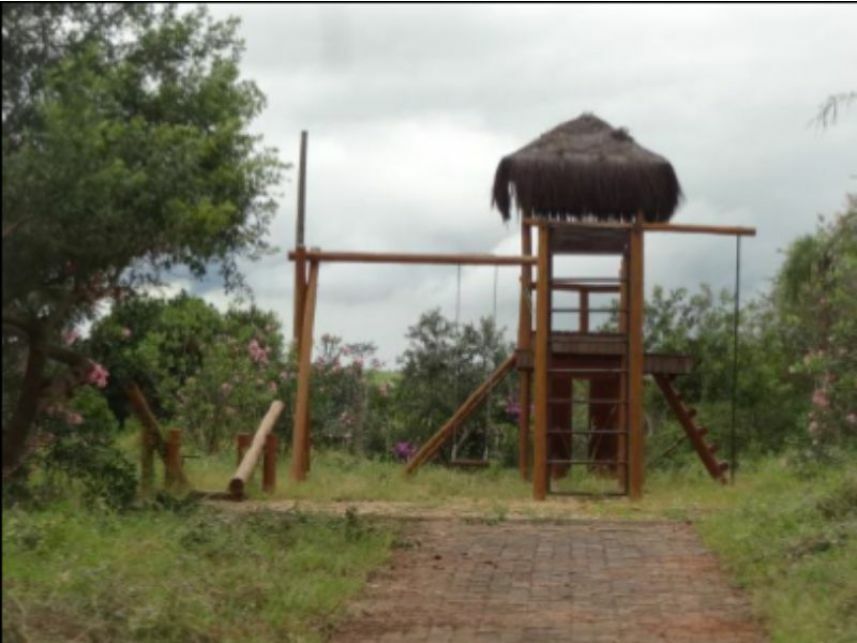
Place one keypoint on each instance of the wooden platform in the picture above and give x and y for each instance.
(599, 348)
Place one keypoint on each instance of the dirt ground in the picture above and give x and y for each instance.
(586, 581)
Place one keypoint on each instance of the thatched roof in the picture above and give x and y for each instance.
(586, 169)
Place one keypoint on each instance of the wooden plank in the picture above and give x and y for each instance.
(543, 306)
(430, 448)
(416, 258)
(525, 334)
(693, 432)
(248, 463)
(636, 443)
(300, 432)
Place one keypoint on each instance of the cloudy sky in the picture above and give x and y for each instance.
(409, 110)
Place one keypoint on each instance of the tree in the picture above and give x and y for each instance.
(125, 155)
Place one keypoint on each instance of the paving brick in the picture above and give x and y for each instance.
(585, 582)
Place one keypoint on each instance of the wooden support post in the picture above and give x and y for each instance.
(147, 462)
(173, 460)
(269, 465)
(584, 311)
(300, 251)
(525, 340)
(428, 450)
(300, 432)
(622, 454)
(248, 463)
(543, 306)
(242, 443)
(150, 424)
(636, 450)
(300, 294)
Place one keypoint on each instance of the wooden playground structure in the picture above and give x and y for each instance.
(582, 189)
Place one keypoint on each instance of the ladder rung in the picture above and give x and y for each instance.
(596, 432)
(589, 310)
(616, 462)
(562, 400)
(587, 370)
(589, 280)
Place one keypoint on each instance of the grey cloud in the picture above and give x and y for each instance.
(410, 108)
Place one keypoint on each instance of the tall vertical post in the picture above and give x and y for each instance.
(584, 311)
(242, 443)
(540, 441)
(525, 335)
(300, 260)
(300, 432)
(636, 446)
(621, 454)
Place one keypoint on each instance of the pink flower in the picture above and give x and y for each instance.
(851, 418)
(272, 386)
(70, 336)
(258, 354)
(284, 376)
(820, 399)
(73, 418)
(226, 388)
(125, 332)
(97, 375)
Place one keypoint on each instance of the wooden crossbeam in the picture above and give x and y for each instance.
(414, 258)
(434, 443)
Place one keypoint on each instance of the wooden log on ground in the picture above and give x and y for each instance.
(245, 469)
(434, 443)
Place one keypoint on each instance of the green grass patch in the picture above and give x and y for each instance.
(792, 542)
(203, 575)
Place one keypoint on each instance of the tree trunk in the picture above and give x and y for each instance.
(17, 432)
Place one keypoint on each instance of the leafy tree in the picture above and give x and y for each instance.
(125, 155)
(816, 298)
(443, 364)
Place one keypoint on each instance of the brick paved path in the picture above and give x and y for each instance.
(586, 581)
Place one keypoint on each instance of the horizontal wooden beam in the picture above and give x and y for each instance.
(732, 231)
(647, 227)
(415, 258)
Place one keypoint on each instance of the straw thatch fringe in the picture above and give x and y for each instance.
(586, 169)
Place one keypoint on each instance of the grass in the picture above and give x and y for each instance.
(787, 534)
(792, 543)
(72, 574)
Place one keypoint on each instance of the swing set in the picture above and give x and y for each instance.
(587, 189)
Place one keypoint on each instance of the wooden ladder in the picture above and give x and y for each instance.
(695, 433)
